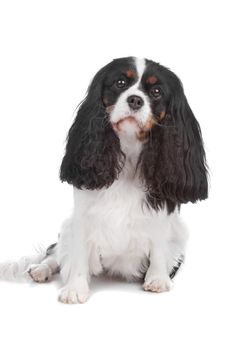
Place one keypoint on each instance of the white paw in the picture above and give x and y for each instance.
(157, 284)
(69, 295)
(40, 272)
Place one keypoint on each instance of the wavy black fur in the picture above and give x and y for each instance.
(93, 158)
(173, 163)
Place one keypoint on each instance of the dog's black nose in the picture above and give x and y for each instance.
(135, 102)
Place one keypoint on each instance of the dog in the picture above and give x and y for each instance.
(133, 155)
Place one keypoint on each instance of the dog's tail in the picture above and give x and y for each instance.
(17, 270)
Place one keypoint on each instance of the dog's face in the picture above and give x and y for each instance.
(143, 99)
(136, 93)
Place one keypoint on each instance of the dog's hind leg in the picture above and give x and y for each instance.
(43, 271)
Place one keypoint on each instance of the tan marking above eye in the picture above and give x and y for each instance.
(130, 74)
(152, 79)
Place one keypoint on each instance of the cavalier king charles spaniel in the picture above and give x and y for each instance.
(134, 154)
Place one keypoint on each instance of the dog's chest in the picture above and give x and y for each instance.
(117, 219)
(118, 227)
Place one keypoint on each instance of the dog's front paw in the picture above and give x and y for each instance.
(71, 294)
(68, 296)
(157, 284)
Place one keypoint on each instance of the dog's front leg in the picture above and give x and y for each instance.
(73, 257)
(157, 277)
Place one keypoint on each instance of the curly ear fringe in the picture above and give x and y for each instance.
(173, 163)
(93, 157)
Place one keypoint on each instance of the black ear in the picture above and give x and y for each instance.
(93, 158)
(173, 162)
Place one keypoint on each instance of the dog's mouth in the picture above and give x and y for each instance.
(130, 120)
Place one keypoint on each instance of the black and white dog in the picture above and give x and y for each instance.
(134, 154)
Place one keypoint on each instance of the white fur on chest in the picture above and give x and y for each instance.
(119, 226)
(113, 217)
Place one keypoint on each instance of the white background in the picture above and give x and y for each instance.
(49, 52)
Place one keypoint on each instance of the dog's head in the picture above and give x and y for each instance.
(143, 100)
(135, 96)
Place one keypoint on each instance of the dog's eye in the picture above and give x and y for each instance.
(155, 92)
(120, 83)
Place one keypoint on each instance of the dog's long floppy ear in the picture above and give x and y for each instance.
(173, 162)
(93, 158)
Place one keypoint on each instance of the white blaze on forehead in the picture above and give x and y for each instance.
(140, 66)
